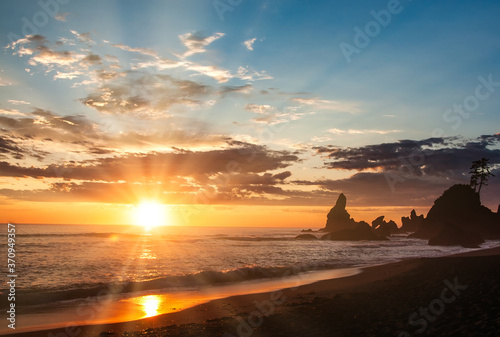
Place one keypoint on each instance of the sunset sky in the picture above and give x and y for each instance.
(251, 113)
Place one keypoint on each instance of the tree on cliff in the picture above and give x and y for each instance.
(480, 171)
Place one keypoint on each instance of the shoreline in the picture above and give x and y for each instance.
(127, 307)
(229, 313)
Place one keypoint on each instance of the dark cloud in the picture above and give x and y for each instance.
(433, 156)
(91, 59)
(235, 174)
(14, 147)
(44, 126)
(10, 147)
(377, 189)
(243, 89)
(239, 158)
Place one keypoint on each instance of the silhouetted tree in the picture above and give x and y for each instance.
(480, 171)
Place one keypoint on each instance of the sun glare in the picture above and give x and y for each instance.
(149, 304)
(150, 215)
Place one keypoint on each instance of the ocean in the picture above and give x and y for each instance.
(65, 262)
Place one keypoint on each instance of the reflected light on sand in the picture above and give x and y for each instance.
(150, 304)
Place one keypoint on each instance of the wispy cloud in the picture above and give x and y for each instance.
(61, 16)
(18, 102)
(249, 43)
(341, 106)
(83, 37)
(362, 131)
(143, 51)
(245, 73)
(197, 42)
(4, 82)
(11, 112)
(268, 114)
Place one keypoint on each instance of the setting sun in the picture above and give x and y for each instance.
(150, 215)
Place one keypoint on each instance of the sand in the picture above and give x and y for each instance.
(448, 296)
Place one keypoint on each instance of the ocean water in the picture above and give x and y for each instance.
(71, 262)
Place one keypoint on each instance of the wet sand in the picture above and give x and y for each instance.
(448, 296)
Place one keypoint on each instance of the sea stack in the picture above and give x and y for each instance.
(341, 227)
(338, 218)
(411, 223)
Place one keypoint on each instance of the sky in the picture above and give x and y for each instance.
(243, 113)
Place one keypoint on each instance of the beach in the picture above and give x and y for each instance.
(455, 295)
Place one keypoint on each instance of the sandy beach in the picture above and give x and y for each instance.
(447, 296)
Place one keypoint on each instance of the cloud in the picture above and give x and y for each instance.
(263, 109)
(373, 189)
(61, 16)
(145, 95)
(90, 60)
(36, 47)
(247, 74)
(242, 89)
(196, 42)
(237, 164)
(361, 131)
(219, 74)
(161, 63)
(243, 157)
(67, 75)
(143, 51)
(16, 102)
(49, 57)
(322, 104)
(83, 37)
(433, 156)
(77, 138)
(249, 43)
(35, 129)
(11, 112)
(9, 146)
(4, 82)
(270, 115)
(13, 147)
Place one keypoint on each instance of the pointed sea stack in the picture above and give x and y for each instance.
(341, 227)
(338, 218)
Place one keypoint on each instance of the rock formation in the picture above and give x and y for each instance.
(384, 228)
(459, 211)
(341, 226)
(451, 235)
(411, 223)
(338, 218)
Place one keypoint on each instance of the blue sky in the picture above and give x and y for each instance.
(96, 82)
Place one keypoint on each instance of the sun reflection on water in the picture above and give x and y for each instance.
(150, 304)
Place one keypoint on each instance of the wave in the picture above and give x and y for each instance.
(98, 235)
(253, 238)
(200, 279)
